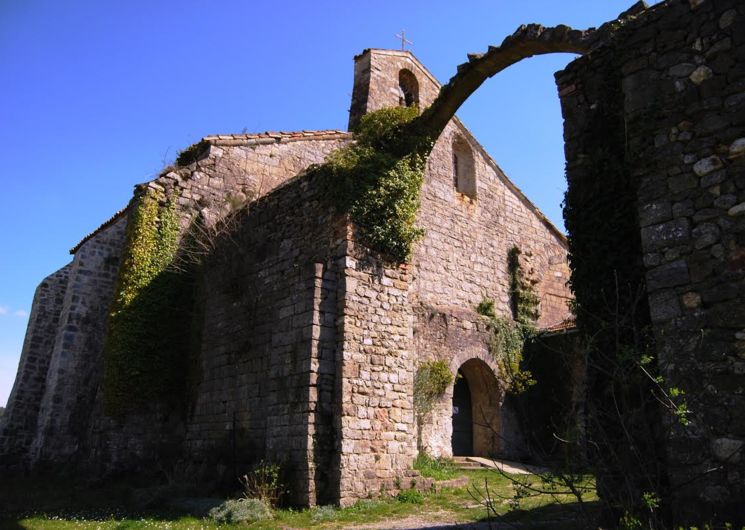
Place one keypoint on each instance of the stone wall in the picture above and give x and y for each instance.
(462, 258)
(76, 364)
(463, 255)
(375, 388)
(681, 71)
(306, 339)
(18, 424)
(268, 342)
(232, 170)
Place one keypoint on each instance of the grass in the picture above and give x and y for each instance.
(436, 468)
(453, 504)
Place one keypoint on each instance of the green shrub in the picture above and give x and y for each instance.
(431, 380)
(382, 129)
(410, 497)
(192, 153)
(241, 510)
(264, 483)
(365, 505)
(436, 468)
(486, 308)
(320, 514)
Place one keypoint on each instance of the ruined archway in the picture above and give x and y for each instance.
(527, 41)
(650, 156)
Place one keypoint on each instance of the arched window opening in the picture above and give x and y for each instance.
(408, 89)
(464, 167)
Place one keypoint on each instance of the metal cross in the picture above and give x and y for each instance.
(404, 40)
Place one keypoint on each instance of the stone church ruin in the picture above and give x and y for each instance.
(287, 336)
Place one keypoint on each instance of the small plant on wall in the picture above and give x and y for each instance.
(523, 299)
(431, 381)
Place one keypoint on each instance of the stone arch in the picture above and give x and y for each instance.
(464, 167)
(527, 41)
(486, 398)
(408, 89)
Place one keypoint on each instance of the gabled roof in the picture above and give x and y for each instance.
(110, 221)
(272, 137)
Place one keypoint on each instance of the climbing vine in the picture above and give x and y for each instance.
(378, 186)
(506, 343)
(625, 409)
(147, 340)
(509, 336)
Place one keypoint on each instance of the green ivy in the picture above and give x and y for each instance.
(506, 343)
(377, 185)
(147, 341)
(625, 407)
(431, 381)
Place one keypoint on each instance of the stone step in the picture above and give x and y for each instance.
(464, 462)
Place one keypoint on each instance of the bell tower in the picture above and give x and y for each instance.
(389, 78)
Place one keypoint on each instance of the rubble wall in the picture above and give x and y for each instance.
(680, 80)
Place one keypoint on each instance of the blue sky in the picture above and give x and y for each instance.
(98, 96)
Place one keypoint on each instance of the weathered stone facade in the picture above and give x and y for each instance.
(678, 70)
(20, 421)
(308, 342)
(74, 371)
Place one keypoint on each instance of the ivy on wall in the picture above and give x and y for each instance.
(506, 342)
(508, 337)
(147, 341)
(625, 405)
(377, 185)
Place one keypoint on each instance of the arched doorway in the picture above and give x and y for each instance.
(476, 405)
(462, 418)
